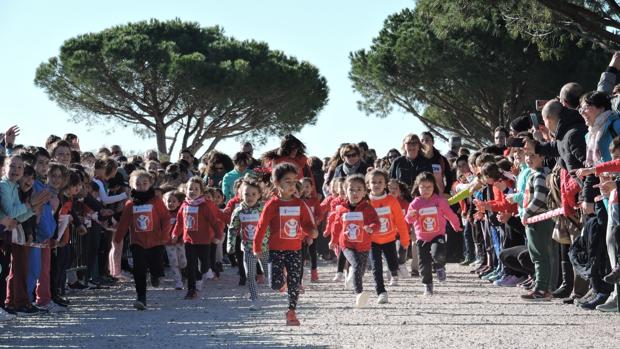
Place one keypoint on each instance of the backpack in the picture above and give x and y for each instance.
(565, 227)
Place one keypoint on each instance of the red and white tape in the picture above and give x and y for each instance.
(547, 215)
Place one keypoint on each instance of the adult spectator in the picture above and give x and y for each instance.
(316, 167)
(218, 165)
(188, 156)
(352, 161)
(241, 161)
(249, 149)
(441, 168)
(292, 151)
(365, 154)
(73, 140)
(151, 155)
(407, 167)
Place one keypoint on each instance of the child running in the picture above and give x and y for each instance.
(355, 221)
(384, 241)
(243, 224)
(428, 213)
(198, 223)
(147, 220)
(175, 251)
(285, 215)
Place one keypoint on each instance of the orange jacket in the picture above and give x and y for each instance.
(392, 220)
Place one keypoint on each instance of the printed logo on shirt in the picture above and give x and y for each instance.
(353, 222)
(290, 217)
(384, 218)
(191, 218)
(429, 217)
(249, 221)
(143, 218)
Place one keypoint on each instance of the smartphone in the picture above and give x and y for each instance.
(540, 103)
(515, 142)
(534, 119)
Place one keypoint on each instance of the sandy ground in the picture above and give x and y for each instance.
(464, 313)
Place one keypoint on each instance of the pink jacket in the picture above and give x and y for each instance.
(432, 214)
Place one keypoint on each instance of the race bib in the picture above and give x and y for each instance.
(143, 218)
(249, 222)
(191, 218)
(429, 219)
(353, 223)
(384, 214)
(290, 218)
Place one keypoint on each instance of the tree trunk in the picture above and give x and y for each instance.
(160, 136)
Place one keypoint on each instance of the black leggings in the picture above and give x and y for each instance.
(193, 253)
(291, 261)
(431, 253)
(342, 261)
(144, 259)
(391, 256)
(358, 262)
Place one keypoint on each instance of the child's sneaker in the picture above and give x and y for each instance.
(441, 274)
(140, 305)
(178, 285)
(613, 277)
(348, 281)
(191, 294)
(383, 298)
(537, 296)
(291, 318)
(339, 276)
(254, 306)
(314, 275)
(209, 274)
(393, 281)
(361, 299)
(428, 290)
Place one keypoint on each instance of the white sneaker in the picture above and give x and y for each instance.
(209, 274)
(338, 276)
(361, 299)
(393, 280)
(52, 308)
(254, 306)
(199, 285)
(6, 316)
(383, 298)
(178, 285)
(348, 281)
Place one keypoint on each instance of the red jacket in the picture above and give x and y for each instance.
(230, 207)
(287, 221)
(199, 224)
(349, 226)
(148, 224)
(392, 220)
(500, 204)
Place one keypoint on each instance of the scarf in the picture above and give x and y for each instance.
(595, 132)
(350, 169)
(196, 202)
(142, 197)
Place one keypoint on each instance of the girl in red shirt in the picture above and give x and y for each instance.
(307, 195)
(198, 223)
(146, 219)
(176, 251)
(289, 221)
(355, 221)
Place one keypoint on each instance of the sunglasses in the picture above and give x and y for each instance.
(351, 155)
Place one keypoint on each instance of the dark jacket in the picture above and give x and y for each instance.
(406, 170)
(361, 169)
(570, 142)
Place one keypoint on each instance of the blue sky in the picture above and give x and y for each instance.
(321, 32)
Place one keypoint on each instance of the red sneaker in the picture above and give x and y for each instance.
(291, 318)
(314, 275)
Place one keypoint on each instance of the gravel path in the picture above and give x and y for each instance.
(464, 313)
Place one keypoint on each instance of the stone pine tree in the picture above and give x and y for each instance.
(184, 85)
(460, 71)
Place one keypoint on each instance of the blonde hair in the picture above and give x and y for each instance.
(136, 175)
